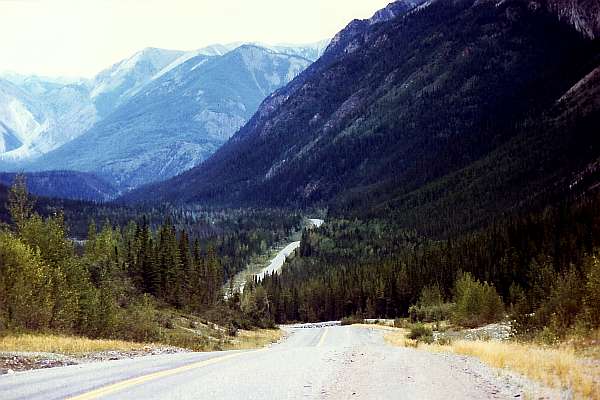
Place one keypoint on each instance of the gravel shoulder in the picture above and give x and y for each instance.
(11, 362)
(377, 371)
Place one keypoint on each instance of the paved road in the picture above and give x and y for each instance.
(316, 362)
(277, 262)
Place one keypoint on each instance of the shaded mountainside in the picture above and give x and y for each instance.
(77, 213)
(584, 15)
(179, 119)
(450, 102)
(65, 185)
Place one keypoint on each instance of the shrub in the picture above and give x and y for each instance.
(188, 340)
(476, 303)
(430, 307)
(432, 313)
(26, 295)
(401, 323)
(421, 333)
(562, 303)
(231, 330)
(592, 296)
(444, 341)
(139, 322)
(430, 296)
(547, 336)
(352, 320)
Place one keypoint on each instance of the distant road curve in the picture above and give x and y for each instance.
(316, 222)
(277, 262)
(317, 361)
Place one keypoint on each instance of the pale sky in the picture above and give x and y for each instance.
(81, 37)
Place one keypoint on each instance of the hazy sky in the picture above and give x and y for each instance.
(82, 37)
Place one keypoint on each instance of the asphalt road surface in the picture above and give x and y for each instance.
(314, 362)
(277, 262)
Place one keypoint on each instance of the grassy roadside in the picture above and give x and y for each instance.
(187, 339)
(67, 345)
(247, 340)
(557, 367)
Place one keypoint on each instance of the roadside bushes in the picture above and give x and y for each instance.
(26, 300)
(476, 303)
(430, 306)
(255, 306)
(592, 298)
(138, 322)
(354, 319)
(420, 333)
(433, 313)
(561, 303)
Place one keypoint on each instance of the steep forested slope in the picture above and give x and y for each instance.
(394, 105)
(65, 185)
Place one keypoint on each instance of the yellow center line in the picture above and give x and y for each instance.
(110, 389)
(322, 340)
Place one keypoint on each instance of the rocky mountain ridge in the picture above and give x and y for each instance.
(394, 109)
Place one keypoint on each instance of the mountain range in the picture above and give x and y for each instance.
(39, 115)
(146, 118)
(425, 109)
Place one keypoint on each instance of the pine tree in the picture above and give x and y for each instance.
(20, 204)
(185, 277)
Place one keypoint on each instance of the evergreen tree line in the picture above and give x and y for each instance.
(114, 283)
(236, 236)
(544, 265)
(161, 263)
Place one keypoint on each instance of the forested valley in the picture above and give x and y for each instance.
(122, 281)
(540, 267)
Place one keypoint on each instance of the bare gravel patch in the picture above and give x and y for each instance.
(11, 362)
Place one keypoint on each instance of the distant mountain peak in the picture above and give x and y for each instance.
(181, 115)
(393, 10)
(348, 38)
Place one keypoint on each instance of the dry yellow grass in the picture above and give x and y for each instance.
(246, 340)
(557, 367)
(71, 345)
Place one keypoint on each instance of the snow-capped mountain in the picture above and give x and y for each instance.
(117, 84)
(38, 116)
(184, 113)
(21, 121)
(312, 51)
(419, 106)
(148, 117)
(31, 83)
